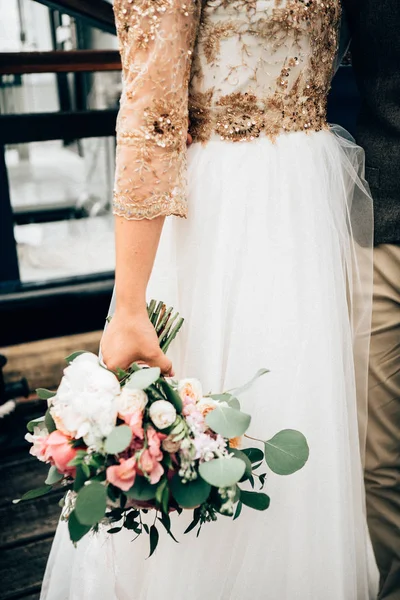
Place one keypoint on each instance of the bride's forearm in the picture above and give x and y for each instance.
(136, 247)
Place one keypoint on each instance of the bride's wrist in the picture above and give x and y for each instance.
(131, 311)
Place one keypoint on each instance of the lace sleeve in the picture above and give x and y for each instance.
(156, 39)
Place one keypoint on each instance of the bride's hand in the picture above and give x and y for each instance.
(129, 339)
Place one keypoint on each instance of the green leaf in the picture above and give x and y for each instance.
(228, 398)
(153, 539)
(191, 494)
(32, 424)
(142, 379)
(249, 384)
(118, 440)
(222, 472)
(49, 422)
(255, 500)
(91, 502)
(192, 525)
(255, 454)
(114, 530)
(172, 395)
(286, 452)
(74, 355)
(166, 521)
(228, 422)
(53, 476)
(80, 478)
(242, 456)
(238, 510)
(76, 529)
(121, 374)
(142, 490)
(44, 394)
(36, 493)
(160, 490)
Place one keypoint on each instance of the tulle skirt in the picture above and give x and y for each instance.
(271, 269)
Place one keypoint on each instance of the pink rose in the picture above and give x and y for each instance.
(123, 475)
(60, 452)
(154, 439)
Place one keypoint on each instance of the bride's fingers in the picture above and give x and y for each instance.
(162, 361)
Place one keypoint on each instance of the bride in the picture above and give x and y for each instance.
(270, 269)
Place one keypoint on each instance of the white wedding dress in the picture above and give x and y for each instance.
(270, 269)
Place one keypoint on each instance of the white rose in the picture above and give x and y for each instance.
(190, 388)
(131, 401)
(206, 405)
(162, 413)
(86, 401)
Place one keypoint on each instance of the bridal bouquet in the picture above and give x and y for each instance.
(123, 446)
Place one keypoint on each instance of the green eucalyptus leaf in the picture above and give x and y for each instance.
(76, 529)
(228, 422)
(53, 476)
(250, 383)
(34, 423)
(191, 494)
(69, 359)
(91, 503)
(242, 456)
(286, 452)
(142, 490)
(255, 500)
(80, 478)
(143, 378)
(36, 493)
(118, 440)
(49, 422)
(222, 472)
(44, 394)
(255, 455)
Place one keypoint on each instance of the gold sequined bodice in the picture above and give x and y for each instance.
(243, 69)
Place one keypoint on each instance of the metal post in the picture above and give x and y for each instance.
(9, 271)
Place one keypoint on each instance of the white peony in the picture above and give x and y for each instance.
(86, 401)
(190, 388)
(131, 401)
(162, 413)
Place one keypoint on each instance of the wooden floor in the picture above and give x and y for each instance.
(26, 529)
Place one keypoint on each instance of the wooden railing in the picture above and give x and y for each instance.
(18, 63)
(98, 13)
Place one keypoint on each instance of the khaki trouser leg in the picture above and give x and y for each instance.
(382, 470)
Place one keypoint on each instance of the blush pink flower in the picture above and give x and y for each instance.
(59, 451)
(123, 475)
(154, 439)
(135, 422)
(150, 467)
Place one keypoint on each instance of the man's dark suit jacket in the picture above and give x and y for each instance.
(375, 31)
